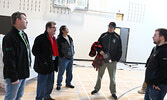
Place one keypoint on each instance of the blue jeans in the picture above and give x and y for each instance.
(65, 64)
(45, 84)
(154, 94)
(14, 91)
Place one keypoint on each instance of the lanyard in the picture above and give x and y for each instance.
(23, 39)
(27, 46)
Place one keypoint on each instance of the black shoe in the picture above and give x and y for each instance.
(58, 88)
(114, 96)
(70, 86)
(49, 99)
(93, 92)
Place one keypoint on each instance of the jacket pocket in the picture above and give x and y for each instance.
(43, 62)
(43, 66)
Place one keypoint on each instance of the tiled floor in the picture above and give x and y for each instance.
(84, 81)
(84, 78)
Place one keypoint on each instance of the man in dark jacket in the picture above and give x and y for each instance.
(156, 71)
(46, 60)
(111, 51)
(66, 51)
(16, 57)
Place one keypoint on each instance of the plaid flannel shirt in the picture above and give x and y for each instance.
(97, 62)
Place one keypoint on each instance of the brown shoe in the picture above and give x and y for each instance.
(141, 91)
(49, 99)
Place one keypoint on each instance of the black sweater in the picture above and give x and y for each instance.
(65, 49)
(156, 71)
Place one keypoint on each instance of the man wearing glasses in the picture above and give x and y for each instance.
(46, 60)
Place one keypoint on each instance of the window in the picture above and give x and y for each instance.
(79, 4)
(59, 3)
(119, 16)
(82, 4)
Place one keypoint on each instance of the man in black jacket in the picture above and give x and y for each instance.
(16, 57)
(66, 51)
(46, 60)
(111, 51)
(156, 71)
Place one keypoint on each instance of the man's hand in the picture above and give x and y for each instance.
(102, 52)
(16, 82)
(156, 87)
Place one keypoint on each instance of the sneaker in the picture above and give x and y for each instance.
(141, 91)
(114, 96)
(58, 88)
(69, 86)
(49, 99)
(93, 92)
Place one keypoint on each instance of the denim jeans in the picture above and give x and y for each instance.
(45, 84)
(14, 91)
(154, 94)
(65, 64)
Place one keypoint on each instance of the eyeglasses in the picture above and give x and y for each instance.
(52, 27)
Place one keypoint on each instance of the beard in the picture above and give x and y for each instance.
(158, 42)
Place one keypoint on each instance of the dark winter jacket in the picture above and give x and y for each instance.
(111, 43)
(65, 49)
(15, 56)
(42, 50)
(156, 66)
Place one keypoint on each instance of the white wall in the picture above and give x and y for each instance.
(142, 17)
(141, 43)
